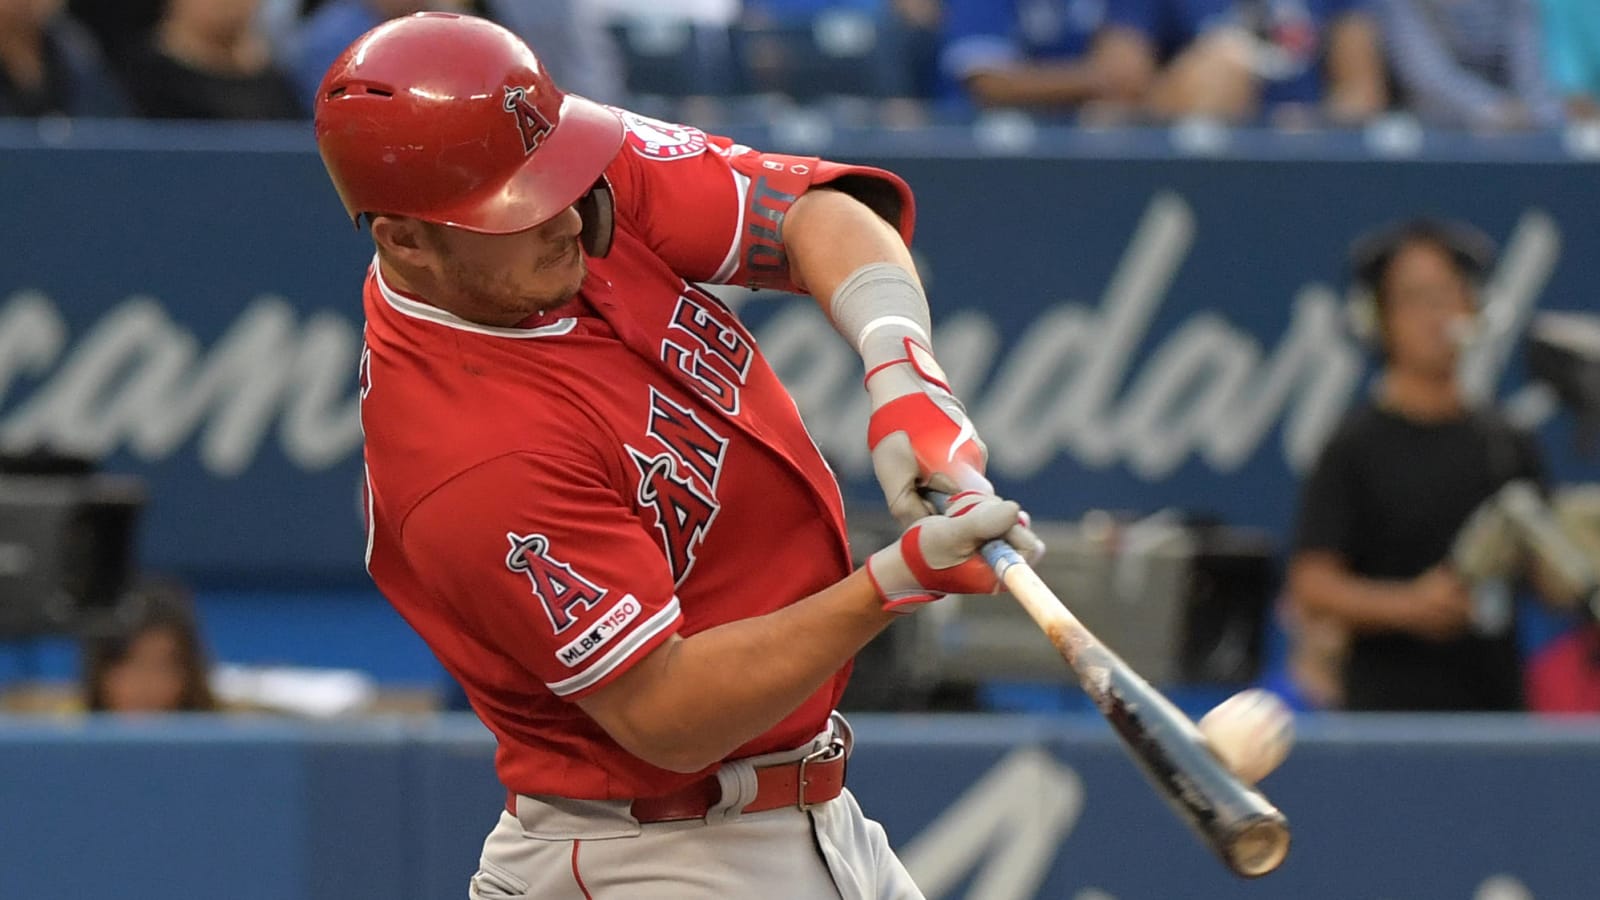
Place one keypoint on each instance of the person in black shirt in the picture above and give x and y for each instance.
(206, 60)
(1396, 482)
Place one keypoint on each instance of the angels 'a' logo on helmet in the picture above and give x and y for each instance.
(531, 122)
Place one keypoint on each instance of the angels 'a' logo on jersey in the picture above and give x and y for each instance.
(564, 593)
(533, 124)
(655, 139)
(679, 470)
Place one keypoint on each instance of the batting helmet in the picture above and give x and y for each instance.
(451, 119)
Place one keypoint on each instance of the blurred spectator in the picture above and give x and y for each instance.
(1572, 54)
(49, 64)
(336, 24)
(1294, 61)
(1470, 63)
(905, 35)
(153, 662)
(922, 20)
(1045, 54)
(120, 26)
(1229, 59)
(700, 12)
(1381, 508)
(279, 21)
(1172, 58)
(206, 59)
(573, 43)
(818, 50)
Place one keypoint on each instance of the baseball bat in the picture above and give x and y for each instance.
(1239, 824)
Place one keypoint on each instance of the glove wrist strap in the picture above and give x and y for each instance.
(894, 581)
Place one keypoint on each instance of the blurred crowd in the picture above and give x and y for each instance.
(1484, 65)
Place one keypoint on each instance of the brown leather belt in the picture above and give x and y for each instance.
(804, 783)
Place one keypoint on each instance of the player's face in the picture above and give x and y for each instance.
(1427, 304)
(150, 677)
(504, 278)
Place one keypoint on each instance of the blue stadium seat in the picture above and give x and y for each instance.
(842, 50)
(675, 58)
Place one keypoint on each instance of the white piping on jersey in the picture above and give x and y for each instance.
(603, 666)
(408, 307)
(730, 263)
(372, 521)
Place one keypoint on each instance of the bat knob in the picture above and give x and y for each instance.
(1259, 847)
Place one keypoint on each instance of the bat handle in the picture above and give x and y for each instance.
(998, 553)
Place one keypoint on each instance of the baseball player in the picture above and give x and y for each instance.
(590, 495)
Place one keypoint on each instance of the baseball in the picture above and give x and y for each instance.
(1251, 732)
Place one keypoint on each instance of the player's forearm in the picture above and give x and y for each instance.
(860, 273)
(1323, 588)
(693, 701)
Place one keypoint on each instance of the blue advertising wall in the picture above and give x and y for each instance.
(1133, 327)
(1009, 809)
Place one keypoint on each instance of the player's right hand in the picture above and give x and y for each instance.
(1438, 606)
(936, 554)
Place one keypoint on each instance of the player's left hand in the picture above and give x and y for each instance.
(936, 555)
(920, 434)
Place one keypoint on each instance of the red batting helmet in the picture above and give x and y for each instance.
(451, 119)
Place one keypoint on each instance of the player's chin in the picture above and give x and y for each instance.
(555, 283)
(571, 278)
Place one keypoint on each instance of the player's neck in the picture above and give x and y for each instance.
(410, 283)
(419, 286)
(1421, 396)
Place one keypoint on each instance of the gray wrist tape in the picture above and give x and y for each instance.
(876, 307)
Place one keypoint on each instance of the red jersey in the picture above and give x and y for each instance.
(547, 504)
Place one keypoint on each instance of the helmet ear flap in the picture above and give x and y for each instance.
(598, 209)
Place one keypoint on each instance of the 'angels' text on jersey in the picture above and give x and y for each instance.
(678, 475)
(680, 463)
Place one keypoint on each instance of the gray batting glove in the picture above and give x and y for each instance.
(936, 554)
(919, 433)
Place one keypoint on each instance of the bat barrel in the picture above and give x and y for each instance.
(1248, 833)
(1239, 824)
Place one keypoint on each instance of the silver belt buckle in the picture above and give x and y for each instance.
(834, 749)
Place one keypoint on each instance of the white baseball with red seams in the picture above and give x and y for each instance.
(1251, 732)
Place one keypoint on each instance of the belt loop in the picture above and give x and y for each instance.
(737, 780)
(842, 731)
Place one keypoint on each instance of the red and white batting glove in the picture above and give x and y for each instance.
(936, 555)
(919, 433)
